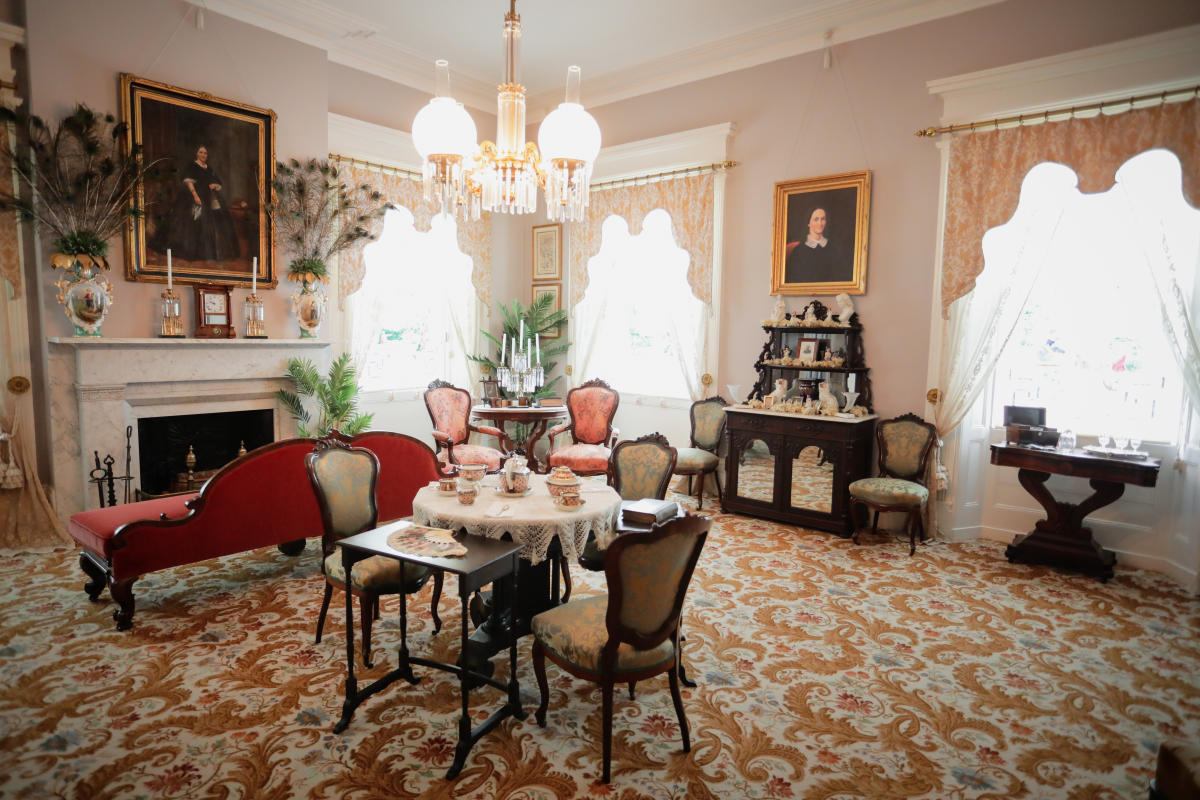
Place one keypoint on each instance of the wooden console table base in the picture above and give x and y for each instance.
(1060, 540)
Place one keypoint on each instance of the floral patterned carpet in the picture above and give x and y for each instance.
(826, 670)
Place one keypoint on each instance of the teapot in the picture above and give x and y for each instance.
(516, 474)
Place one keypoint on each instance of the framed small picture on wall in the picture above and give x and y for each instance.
(554, 290)
(547, 252)
(819, 243)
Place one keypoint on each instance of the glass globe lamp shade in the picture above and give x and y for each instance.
(569, 132)
(443, 127)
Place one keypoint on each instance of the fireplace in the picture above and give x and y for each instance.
(214, 439)
(100, 387)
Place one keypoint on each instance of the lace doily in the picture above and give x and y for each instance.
(533, 521)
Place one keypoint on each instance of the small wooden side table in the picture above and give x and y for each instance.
(1060, 540)
(536, 417)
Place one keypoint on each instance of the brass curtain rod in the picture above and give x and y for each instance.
(1044, 116)
(657, 176)
(407, 173)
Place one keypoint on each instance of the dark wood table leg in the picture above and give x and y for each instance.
(514, 686)
(1060, 540)
(464, 689)
(539, 428)
(351, 701)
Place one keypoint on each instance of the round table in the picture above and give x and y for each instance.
(536, 418)
(532, 521)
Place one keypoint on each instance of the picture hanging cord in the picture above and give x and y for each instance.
(203, 28)
(827, 62)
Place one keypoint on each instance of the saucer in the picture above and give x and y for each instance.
(500, 491)
(447, 493)
(561, 507)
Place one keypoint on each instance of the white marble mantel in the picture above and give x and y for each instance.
(99, 386)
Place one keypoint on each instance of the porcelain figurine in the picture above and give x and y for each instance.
(826, 400)
(781, 390)
(845, 308)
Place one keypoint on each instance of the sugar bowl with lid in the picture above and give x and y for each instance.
(562, 479)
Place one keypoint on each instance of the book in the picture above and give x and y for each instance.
(649, 511)
(550, 402)
(419, 540)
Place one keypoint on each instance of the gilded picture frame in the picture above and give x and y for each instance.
(547, 252)
(820, 235)
(555, 291)
(208, 207)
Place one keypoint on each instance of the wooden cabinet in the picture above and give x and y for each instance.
(795, 468)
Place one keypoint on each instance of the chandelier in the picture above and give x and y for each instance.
(503, 176)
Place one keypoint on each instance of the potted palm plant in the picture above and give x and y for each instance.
(78, 180)
(317, 216)
(336, 397)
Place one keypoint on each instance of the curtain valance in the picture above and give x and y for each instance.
(690, 203)
(474, 238)
(986, 171)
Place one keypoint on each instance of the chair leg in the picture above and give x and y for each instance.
(915, 524)
(678, 700)
(875, 523)
(539, 670)
(607, 712)
(366, 604)
(683, 676)
(438, 577)
(855, 505)
(377, 607)
(631, 685)
(717, 481)
(324, 610)
(699, 490)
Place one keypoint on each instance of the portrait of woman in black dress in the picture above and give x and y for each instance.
(201, 226)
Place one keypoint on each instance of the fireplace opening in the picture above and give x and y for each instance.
(163, 444)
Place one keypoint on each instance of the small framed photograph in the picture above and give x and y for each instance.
(819, 242)
(555, 292)
(807, 349)
(547, 252)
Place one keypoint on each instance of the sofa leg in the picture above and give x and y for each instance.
(122, 592)
(293, 548)
(97, 573)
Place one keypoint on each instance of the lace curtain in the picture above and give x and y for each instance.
(986, 170)
(474, 238)
(689, 202)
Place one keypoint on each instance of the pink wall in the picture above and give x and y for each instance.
(794, 120)
(77, 48)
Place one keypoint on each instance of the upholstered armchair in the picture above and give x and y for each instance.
(450, 411)
(905, 443)
(708, 426)
(592, 407)
(632, 633)
(345, 480)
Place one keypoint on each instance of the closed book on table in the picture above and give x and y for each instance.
(650, 511)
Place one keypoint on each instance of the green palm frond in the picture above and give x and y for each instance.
(335, 397)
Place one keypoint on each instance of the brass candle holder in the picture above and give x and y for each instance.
(171, 323)
(254, 315)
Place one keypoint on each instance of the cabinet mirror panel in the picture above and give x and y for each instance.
(756, 472)
(812, 480)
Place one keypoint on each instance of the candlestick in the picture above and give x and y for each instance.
(537, 340)
(254, 277)
(522, 334)
(168, 269)
(504, 349)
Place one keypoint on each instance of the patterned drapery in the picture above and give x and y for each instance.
(10, 256)
(474, 238)
(689, 201)
(986, 170)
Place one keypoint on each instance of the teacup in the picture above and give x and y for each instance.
(568, 500)
(467, 491)
(447, 484)
(472, 472)
(516, 482)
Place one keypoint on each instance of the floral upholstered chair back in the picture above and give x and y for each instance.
(648, 576)
(344, 480)
(642, 467)
(593, 406)
(449, 409)
(708, 423)
(904, 446)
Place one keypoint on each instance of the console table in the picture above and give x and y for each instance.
(795, 468)
(1060, 540)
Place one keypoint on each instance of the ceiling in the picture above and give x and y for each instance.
(624, 47)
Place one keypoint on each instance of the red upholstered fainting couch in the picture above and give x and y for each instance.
(263, 498)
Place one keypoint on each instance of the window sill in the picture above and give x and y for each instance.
(655, 400)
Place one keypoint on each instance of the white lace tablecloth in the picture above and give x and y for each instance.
(533, 521)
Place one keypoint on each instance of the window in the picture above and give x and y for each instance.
(645, 324)
(414, 318)
(1089, 345)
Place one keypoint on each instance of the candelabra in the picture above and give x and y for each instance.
(171, 324)
(522, 376)
(255, 318)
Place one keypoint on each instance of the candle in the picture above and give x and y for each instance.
(521, 337)
(254, 278)
(537, 341)
(168, 269)
(503, 348)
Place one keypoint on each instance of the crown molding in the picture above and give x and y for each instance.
(1157, 62)
(691, 148)
(370, 142)
(356, 42)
